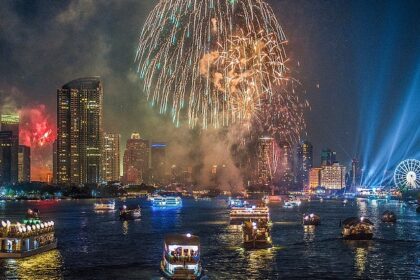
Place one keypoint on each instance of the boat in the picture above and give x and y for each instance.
(357, 229)
(311, 220)
(181, 257)
(240, 214)
(167, 201)
(236, 202)
(256, 234)
(105, 206)
(130, 213)
(31, 237)
(389, 217)
(292, 203)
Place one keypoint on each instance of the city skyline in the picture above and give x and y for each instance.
(339, 117)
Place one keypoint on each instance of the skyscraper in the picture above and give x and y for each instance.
(9, 146)
(286, 164)
(158, 162)
(356, 173)
(328, 157)
(315, 177)
(304, 162)
(79, 131)
(24, 164)
(111, 157)
(333, 177)
(136, 160)
(265, 160)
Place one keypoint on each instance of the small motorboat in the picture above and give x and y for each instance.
(389, 217)
(292, 203)
(311, 220)
(357, 229)
(130, 213)
(256, 234)
(104, 206)
(181, 257)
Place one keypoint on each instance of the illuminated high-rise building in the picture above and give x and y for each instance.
(136, 160)
(333, 177)
(356, 173)
(79, 131)
(314, 177)
(304, 162)
(111, 157)
(328, 157)
(158, 162)
(24, 164)
(285, 166)
(9, 146)
(265, 161)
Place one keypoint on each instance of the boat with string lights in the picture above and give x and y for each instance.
(181, 257)
(31, 237)
(256, 234)
(166, 202)
(105, 206)
(238, 215)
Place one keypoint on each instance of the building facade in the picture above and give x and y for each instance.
(328, 157)
(136, 160)
(79, 131)
(314, 178)
(158, 162)
(111, 157)
(304, 162)
(24, 164)
(9, 146)
(265, 160)
(333, 177)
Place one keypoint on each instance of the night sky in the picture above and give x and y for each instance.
(359, 63)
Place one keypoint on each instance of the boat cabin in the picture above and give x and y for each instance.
(181, 254)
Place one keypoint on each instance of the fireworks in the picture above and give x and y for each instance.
(36, 129)
(218, 62)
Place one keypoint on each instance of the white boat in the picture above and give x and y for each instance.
(241, 214)
(167, 201)
(105, 206)
(181, 257)
(31, 237)
(292, 203)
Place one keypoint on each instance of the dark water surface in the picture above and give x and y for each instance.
(99, 246)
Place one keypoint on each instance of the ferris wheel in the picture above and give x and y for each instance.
(407, 174)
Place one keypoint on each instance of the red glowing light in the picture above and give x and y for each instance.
(36, 127)
(37, 130)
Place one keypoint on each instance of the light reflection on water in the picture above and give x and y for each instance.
(100, 246)
(43, 266)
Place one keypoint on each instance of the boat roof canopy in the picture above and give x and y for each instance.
(182, 239)
(355, 220)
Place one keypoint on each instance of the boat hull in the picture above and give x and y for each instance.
(21, 255)
(250, 245)
(180, 274)
(359, 236)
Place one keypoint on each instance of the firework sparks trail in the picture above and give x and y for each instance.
(218, 62)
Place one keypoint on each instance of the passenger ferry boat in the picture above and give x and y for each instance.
(238, 215)
(256, 234)
(130, 213)
(31, 237)
(181, 257)
(357, 229)
(167, 201)
(105, 206)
